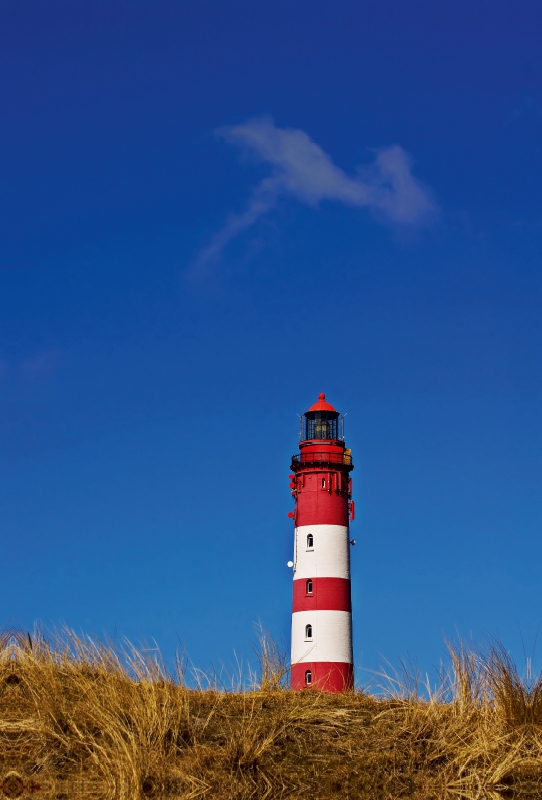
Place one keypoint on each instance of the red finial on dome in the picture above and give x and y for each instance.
(322, 404)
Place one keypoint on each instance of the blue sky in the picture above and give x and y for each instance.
(213, 211)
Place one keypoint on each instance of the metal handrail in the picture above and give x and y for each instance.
(321, 458)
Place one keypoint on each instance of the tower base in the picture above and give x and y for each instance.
(325, 676)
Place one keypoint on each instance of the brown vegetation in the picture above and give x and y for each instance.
(79, 720)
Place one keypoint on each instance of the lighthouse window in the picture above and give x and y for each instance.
(308, 632)
(309, 586)
(308, 677)
(310, 541)
(322, 425)
(323, 483)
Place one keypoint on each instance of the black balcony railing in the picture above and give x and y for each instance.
(321, 459)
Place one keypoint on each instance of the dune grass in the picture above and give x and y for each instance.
(79, 719)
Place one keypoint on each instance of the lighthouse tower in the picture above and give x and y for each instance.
(322, 610)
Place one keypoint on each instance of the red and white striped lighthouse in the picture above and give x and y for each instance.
(322, 609)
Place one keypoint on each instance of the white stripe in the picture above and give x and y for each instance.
(331, 636)
(330, 557)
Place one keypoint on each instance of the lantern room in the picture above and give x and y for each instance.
(322, 421)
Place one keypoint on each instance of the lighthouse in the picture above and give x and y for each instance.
(322, 608)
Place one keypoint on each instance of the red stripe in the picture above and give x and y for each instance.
(328, 676)
(328, 594)
(320, 506)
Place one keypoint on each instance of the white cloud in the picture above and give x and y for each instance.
(301, 169)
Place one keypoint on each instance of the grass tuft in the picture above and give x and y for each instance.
(80, 718)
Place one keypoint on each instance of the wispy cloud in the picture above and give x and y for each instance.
(34, 370)
(301, 169)
(39, 366)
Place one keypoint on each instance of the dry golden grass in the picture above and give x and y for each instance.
(79, 720)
